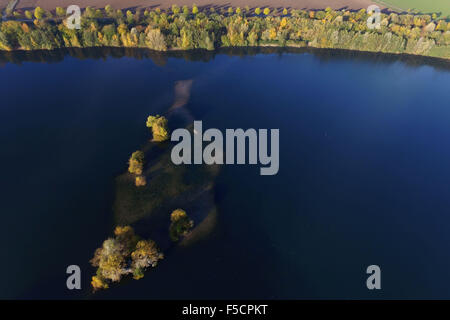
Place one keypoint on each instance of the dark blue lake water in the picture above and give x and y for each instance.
(364, 172)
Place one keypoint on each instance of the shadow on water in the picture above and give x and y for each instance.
(160, 58)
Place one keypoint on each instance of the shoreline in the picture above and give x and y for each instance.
(218, 51)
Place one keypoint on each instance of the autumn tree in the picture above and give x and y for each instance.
(99, 282)
(130, 17)
(138, 273)
(109, 11)
(89, 12)
(122, 255)
(98, 14)
(146, 254)
(155, 40)
(119, 14)
(110, 260)
(159, 126)
(140, 181)
(175, 9)
(136, 163)
(39, 13)
(126, 236)
(28, 14)
(60, 12)
(180, 224)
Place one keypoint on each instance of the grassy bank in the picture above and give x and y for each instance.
(440, 7)
(188, 28)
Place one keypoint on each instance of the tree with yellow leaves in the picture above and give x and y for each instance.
(39, 13)
(159, 126)
(130, 17)
(28, 14)
(155, 40)
(136, 163)
(98, 283)
(122, 29)
(140, 181)
(122, 255)
(146, 254)
(175, 9)
(110, 260)
(60, 12)
(180, 225)
(126, 236)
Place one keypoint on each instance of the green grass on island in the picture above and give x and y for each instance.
(440, 7)
(168, 187)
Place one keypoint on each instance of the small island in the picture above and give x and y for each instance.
(145, 195)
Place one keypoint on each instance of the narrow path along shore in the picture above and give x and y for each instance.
(164, 4)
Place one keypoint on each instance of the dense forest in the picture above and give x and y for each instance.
(190, 28)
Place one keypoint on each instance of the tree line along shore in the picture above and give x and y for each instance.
(185, 28)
